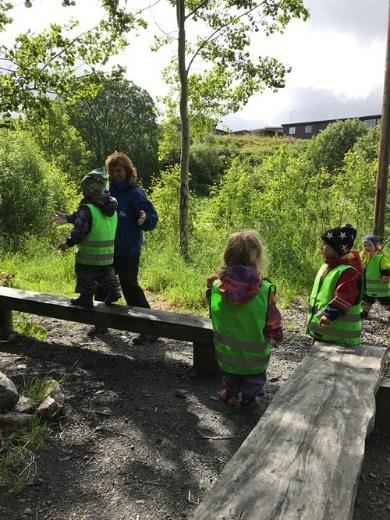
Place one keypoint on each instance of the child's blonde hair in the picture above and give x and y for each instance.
(244, 248)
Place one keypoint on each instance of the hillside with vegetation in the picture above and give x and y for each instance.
(288, 190)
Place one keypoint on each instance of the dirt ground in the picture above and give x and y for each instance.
(143, 438)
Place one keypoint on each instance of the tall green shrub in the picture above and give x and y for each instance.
(30, 188)
(328, 148)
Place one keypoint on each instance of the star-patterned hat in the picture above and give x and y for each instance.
(340, 238)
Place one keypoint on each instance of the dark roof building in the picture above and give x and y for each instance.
(307, 129)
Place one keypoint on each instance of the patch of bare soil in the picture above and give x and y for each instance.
(144, 438)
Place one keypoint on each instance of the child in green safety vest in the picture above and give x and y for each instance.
(335, 301)
(376, 275)
(245, 320)
(94, 228)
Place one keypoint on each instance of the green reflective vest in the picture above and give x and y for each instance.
(97, 248)
(347, 328)
(373, 285)
(239, 339)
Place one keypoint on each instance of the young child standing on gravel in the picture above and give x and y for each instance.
(94, 228)
(245, 319)
(376, 275)
(334, 303)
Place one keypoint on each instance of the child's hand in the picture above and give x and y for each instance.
(324, 320)
(385, 279)
(141, 217)
(63, 247)
(211, 279)
(59, 218)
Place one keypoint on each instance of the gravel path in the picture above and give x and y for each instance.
(143, 438)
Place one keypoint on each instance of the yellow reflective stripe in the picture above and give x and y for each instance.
(332, 331)
(348, 317)
(90, 256)
(98, 243)
(247, 346)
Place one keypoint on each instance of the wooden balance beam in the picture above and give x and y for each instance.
(172, 325)
(303, 458)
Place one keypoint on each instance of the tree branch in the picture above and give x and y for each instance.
(196, 9)
(72, 42)
(211, 37)
(149, 7)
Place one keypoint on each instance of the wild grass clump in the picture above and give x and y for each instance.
(38, 388)
(18, 451)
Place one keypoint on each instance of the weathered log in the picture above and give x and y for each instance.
(303, 458)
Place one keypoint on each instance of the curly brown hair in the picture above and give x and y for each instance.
(121, 159)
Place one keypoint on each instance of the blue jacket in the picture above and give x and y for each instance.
(131, 200)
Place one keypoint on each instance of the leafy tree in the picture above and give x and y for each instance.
(233, 75)
(39, 65)
(328, 148)
(59, 141)
(47, 62)
(121, 116)
(367, 145)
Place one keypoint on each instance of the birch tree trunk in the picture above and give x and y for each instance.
(185, 130)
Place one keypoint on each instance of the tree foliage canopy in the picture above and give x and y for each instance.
(223, 45)
(58, 60)
(122, 117)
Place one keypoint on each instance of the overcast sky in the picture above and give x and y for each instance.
(337, 57)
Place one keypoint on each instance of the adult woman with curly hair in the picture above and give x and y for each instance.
(135, 215)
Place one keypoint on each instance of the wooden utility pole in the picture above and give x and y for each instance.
(384, 148)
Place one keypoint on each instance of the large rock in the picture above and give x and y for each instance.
(8, 394)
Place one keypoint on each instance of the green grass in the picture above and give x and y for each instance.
(40, 267)
(19, 448)
(43, 269)
(18, 455)
(22, 325)
(38, 388)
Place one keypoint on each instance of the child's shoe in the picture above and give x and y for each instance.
(251, 403)
(225, 396)
(83, 301)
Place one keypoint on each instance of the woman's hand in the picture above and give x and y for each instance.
(385, 279)
(59, 218)
(141, 217)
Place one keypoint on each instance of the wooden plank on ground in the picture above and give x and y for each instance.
(135, 319)
(303, 458)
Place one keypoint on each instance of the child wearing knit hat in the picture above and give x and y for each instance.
(334, 303)
(376, 275)
(94, 228)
